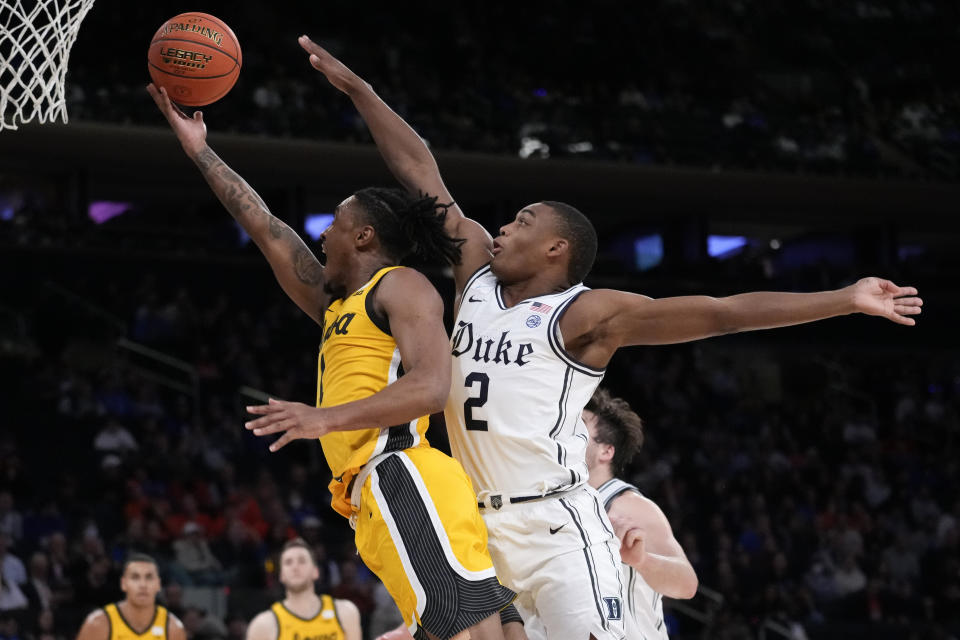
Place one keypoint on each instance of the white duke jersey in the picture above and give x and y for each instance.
(644, 620)
(513, 413)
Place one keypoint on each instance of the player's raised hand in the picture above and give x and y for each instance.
(295, 420)
(191, 132)
(878, 297)
(336, 72)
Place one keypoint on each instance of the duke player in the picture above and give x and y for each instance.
(654, 564)
(530, 345)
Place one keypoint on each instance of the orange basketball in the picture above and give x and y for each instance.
(196, 57)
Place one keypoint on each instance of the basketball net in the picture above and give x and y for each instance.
(35, 41)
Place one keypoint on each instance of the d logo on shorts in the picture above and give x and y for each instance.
(614, 608)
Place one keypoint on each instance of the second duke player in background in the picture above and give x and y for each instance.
(654, 564)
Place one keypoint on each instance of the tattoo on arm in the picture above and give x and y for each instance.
(307, 268)
(237, 196)
(276, 227)
(249, 209)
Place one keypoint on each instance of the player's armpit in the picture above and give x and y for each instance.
(176, 630)
(95, 627)
(263, 627)
(349, 617)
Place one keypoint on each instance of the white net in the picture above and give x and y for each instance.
(35, 41)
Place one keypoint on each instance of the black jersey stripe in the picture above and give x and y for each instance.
(476, 276)
(562, 402)
(553, 331)
(588, 556)
(453, 603)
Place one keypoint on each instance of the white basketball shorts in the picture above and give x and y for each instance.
(560, 555)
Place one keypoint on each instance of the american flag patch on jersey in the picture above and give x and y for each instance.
(539, 307)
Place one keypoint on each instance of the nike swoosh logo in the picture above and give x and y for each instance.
(472, 299)
(553, 531)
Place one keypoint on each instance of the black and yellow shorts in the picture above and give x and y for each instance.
(420, 531)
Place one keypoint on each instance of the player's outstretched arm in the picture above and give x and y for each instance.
(349, 617)
(95, 627)
(649, 546)
(603, 320)
(406, 155)
(415, 314)
(296, 268)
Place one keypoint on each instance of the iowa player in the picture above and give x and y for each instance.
(302, 614)
(383, 368)
(137, 616)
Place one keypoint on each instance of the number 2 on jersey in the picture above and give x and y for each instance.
(473, 424)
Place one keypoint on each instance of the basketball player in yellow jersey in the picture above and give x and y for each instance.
(302, 614)
(137, 616)
(384, 367)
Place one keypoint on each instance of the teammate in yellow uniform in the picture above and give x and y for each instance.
(384, 367)
(302, 614)
(137, 616)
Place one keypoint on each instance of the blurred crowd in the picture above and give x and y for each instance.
(858, 88)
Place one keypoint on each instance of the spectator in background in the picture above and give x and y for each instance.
(37, 588)
(11, 522)
(10, 565)
(200, 625)
(114, 438)
(193, 554)
(353, 588)
(11, 597)
(59, 566)
(237, 552)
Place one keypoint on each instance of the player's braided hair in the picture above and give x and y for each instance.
(409, 225)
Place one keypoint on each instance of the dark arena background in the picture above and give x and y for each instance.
(719, 146)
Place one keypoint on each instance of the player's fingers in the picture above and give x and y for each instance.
(250, 425)
(907, 310)
(902, 320)
(268, 419)
(315, 62)
(310, 46)
(283, 441)
(263, 409)
(198, 116)
(277, 426)
(632, 537)
(888, 286)
(907, 291)
(909, 302)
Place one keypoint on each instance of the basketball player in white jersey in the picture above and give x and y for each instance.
(530, 346)
(654, 564)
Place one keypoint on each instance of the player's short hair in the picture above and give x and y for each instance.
(136, 556)
(299, 543)
(576, 229)
(409, 225)
(618, 426)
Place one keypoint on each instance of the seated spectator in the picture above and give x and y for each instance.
(193, 554)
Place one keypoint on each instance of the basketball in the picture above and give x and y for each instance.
(196, 57)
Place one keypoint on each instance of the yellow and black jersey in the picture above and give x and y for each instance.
(358, 358)
(323, 626)
(120, 629)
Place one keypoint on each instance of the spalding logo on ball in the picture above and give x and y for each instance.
(196, 57)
